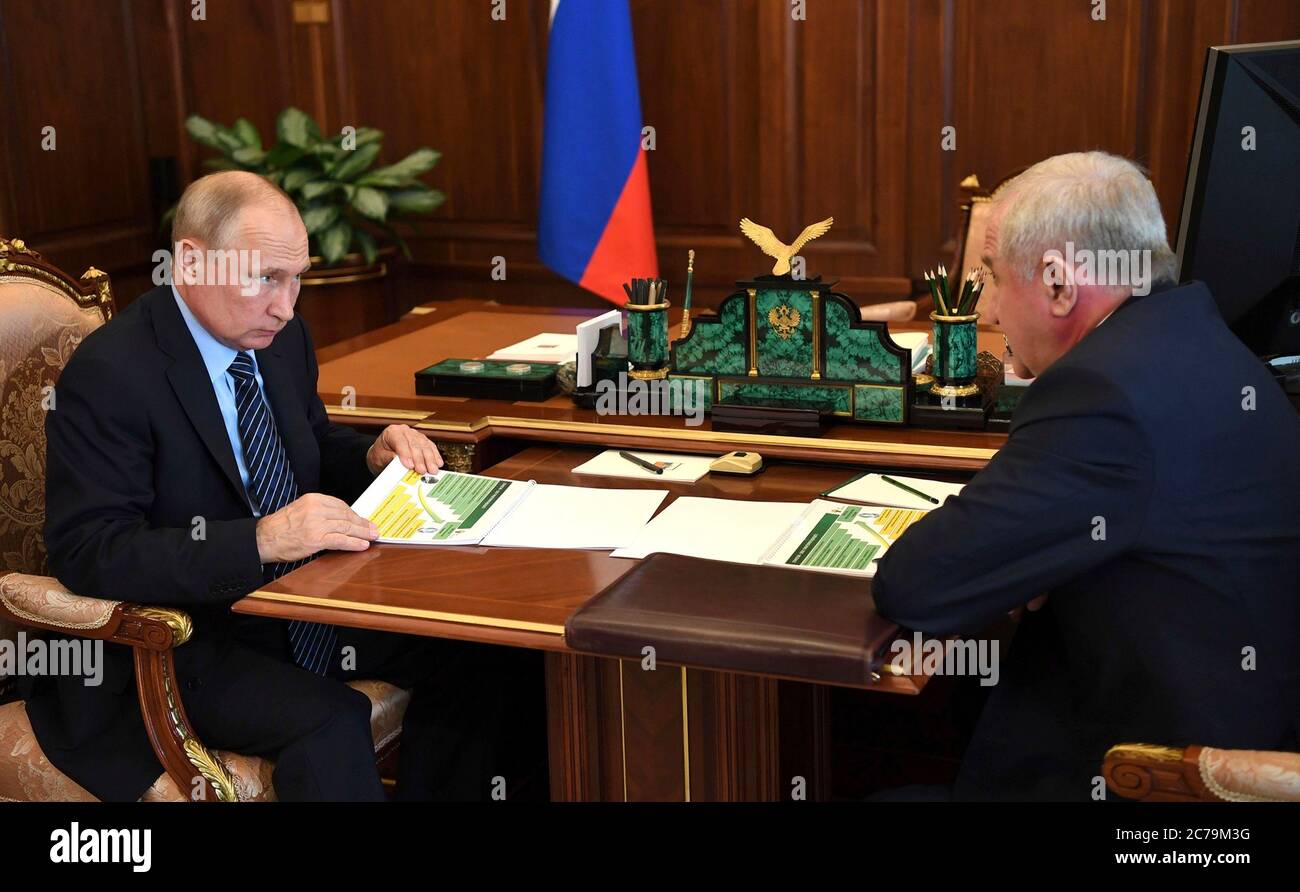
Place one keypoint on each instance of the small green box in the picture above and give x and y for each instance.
(493, 383)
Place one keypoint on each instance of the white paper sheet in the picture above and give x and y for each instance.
(718, 529)
(916, 341)
(544, 348)
(677, 468)
(576, 517)
(588, 338)
(869, 489)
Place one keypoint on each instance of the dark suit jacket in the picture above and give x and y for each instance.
(136, 452)
(1147, 631)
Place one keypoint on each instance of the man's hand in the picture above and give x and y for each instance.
(412, 447)
(309, 524)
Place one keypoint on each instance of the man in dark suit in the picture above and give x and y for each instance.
(1147, 503)
(190, 461)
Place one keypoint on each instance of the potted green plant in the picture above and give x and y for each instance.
(347, 205)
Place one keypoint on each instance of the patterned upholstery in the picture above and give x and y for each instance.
(26, 775)
(44, 599)
(1251, 775)
(39, 328)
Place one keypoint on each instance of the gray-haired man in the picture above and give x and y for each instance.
(1149, 488)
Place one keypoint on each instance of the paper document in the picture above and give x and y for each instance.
(587, 335)
(576, 517)
(870, 489)
(718, 529)
(445, 508)
(845, 539)
(545, 348)
(677, 468)
(916, 341)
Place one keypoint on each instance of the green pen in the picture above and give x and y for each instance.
(916, 492)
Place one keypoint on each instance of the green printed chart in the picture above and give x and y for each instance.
(453, 503)
(838, 541)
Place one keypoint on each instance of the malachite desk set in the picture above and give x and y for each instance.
(791, 343)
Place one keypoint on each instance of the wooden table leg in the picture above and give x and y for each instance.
(618, 732)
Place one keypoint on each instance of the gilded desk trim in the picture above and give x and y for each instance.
(622, 727)
(409, 612)
(811, 444)
(339, 413)
(686, 737)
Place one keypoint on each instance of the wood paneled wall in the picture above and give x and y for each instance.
(755, 113)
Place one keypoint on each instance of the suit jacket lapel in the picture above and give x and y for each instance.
(188, 377)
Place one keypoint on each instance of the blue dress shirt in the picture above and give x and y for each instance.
(218, 357)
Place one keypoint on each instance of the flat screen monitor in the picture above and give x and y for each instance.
(1240, 226)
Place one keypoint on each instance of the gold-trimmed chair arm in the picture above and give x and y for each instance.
(1154, 773)
(1201, 773)
(42, 602)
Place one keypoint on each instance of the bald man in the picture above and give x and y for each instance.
(1146, 503)
(189, 462)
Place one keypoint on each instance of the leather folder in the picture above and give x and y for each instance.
(736, 617)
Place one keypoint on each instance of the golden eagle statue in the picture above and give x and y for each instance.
(774, 247)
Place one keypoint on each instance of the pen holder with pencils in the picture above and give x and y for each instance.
(647, 340)
(955, 352)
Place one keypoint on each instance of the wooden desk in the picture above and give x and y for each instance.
(368, 381)
(615, 731)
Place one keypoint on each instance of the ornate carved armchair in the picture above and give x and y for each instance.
(1201, 774)
(44, 314)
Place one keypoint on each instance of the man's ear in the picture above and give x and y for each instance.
(190, 261)
(1058, 285)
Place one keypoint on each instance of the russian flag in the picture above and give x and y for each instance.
(594, 223)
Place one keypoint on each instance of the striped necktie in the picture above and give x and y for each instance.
(272, 486)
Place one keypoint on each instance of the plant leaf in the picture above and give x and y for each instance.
(334, 241)
(317, 188)
(203, 131)
(422, 200)
(327, 152)
(411, 166)
(297, 177)
(227, 140)
(385, 181)
(220, 164)
(297, 128)
(248, 156)
(318, 219)
(247, 133)
(355, 162)
(369, 249)
(367, 135)
(370, 203)
(282, 155)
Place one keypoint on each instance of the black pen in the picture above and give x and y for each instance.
(653, 469)
(916, 492)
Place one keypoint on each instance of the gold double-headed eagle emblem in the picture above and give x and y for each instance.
(784, 320)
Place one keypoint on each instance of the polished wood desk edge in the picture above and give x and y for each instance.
(506, 424)
(490, 630)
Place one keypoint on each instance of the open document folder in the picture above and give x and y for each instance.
(825, 536)
(448, 508)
